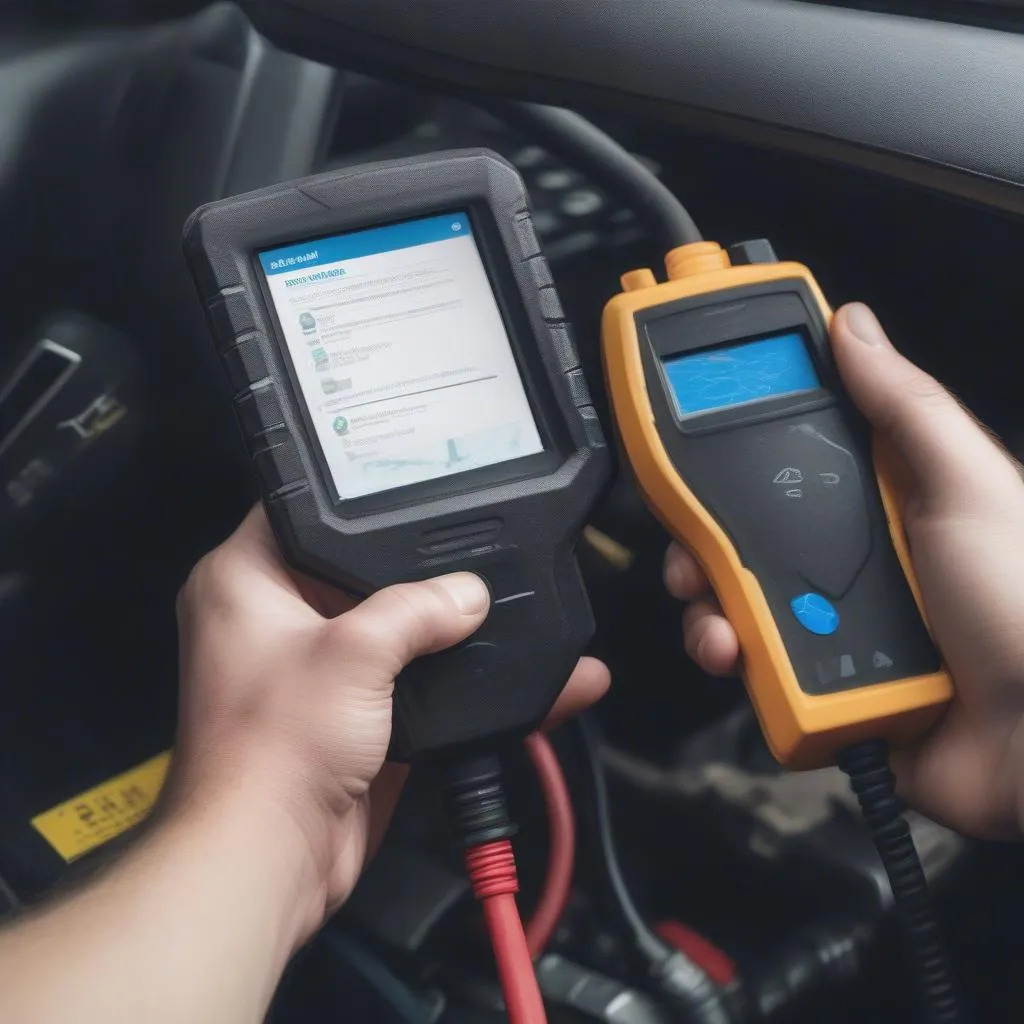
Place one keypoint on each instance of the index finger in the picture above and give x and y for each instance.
(251, 550)
(256, 534)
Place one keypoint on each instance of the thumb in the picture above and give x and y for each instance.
(400, 623)
(955, 463)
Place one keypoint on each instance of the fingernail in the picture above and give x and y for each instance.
(468, 591)
(864, 325)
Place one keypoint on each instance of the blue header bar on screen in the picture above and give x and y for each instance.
(365, 243)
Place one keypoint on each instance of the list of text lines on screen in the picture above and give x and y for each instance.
(401, 354)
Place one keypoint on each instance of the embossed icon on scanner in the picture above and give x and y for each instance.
(790, 475)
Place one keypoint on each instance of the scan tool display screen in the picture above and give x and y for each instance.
(401, 354)
(732, 375)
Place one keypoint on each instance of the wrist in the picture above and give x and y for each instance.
(250, 816)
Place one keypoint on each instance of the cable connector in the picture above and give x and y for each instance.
(475, 802)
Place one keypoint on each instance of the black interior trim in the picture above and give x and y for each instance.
(933, 103)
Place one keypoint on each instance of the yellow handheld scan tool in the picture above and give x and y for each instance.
(747, 448)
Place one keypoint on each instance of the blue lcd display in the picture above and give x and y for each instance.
(723, 378)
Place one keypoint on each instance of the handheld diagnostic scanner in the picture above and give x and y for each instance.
(409, 392)
(747, 448)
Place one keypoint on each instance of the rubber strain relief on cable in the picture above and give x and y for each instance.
(475, 802)
(492, 870)
(872, 780)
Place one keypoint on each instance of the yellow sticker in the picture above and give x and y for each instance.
(102, 813)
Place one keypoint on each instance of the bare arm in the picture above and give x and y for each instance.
(276, 795)
(194, 923)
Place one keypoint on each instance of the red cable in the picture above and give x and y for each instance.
(561, 843)
(718, 966)
(492, 871)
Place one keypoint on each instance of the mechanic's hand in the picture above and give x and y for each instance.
(964, 518)
(286, 688)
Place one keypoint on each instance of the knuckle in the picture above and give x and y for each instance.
(1013, 469)
(421, 600)
(393, 622)
(186, 596)
(697, 610)
(695, 613)
(213, 580)
(415, 606)
(432, 599)
(919, 395)
(211, 570)
(377, 624)
(925, 388)
(194, 584)
(360, 633)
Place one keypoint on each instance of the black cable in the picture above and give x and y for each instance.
(645, 940)
(872, 780)
(677, 977)
(596, 154)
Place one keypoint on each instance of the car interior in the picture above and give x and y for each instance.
(879, 142)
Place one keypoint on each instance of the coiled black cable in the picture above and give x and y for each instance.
(679, 980)
(872, 780)
(594, 153)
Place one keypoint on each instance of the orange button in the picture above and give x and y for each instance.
(634, 280)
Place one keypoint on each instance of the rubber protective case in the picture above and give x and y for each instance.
(518, 529)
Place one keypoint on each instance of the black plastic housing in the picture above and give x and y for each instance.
(516, 524)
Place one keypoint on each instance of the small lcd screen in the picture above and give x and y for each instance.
(733, 375)
(401, 354)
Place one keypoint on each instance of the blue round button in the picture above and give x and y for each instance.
(815, 613)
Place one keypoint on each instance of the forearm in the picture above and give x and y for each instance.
(193, 925)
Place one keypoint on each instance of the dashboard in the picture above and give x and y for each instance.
(927, 101)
